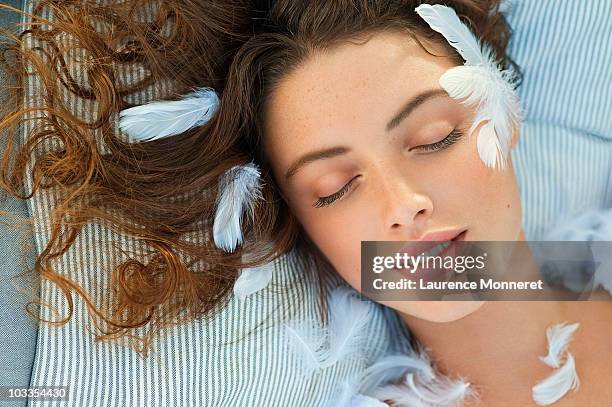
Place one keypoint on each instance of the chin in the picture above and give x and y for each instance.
(436, 311)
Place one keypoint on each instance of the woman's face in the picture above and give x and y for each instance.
(363, 143)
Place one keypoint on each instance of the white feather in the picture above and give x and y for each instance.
(489, 147)
(359, 400)
(239, 188)
(349, 316)
(437, 393)
(406, 380)
(252, 280)
(422, 385)
(441, 391)
(393, 368)
(557, 384)
(558, 337)
(465, 82)
(308, 341)
(320, 348)
(444, 20)
(478, 83)
(167, 118)
(346, 396)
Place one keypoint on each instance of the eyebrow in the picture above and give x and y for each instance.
(339, 150)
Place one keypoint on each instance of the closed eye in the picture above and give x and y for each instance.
(328, 200)
(449, 140)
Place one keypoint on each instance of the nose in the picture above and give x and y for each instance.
(406, 208)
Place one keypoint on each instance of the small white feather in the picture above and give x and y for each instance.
(347, 397)
(558, 337)
(489, 147)
(308, 341)
(419, 383)
(349, 317)
(166, 118)
(320, 348)
(441, 391)
(239, 188)
(437, 393)
(252, 280)
(359, 400)
(393, 368)
(557, 384)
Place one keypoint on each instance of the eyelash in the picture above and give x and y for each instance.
(449, 140)
(328, 200)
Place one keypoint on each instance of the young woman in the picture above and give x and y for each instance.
(345, 113)
(340, 106)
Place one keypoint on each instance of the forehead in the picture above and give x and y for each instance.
(351, 89)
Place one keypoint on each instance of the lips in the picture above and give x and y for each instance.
(429, 242)
(442, 248)
(452, 247)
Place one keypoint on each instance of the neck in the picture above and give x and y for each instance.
(496, 348)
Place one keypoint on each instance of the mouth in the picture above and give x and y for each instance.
(449, 247)
(442, 246)
(434, 244)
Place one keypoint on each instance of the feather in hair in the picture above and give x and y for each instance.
(479, 82)
(319, 348)
(161, 119)
(239, 188)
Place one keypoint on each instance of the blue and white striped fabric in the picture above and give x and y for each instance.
(563, 162)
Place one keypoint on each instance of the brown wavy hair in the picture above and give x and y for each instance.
(161, 192)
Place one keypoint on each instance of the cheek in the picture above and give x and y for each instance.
(339, 239)
(470, 194)
(496, 199)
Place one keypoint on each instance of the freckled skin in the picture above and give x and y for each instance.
(345, 97)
